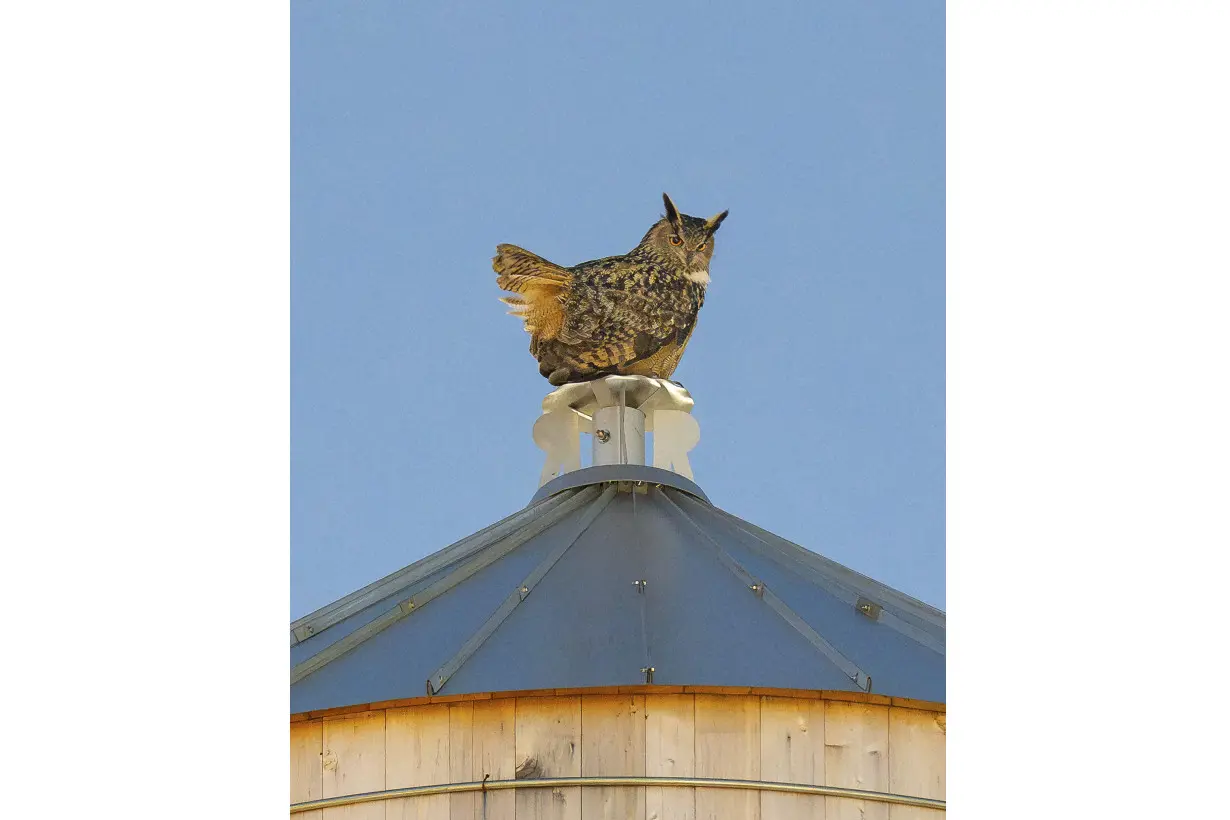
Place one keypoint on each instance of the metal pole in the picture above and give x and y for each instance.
(619, 436)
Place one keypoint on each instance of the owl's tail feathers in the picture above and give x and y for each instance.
(539, 289)
(520, 270)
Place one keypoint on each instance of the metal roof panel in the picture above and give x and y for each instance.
(549, 598)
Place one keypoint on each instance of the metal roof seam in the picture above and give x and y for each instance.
(836, 588)
(477, 562)
(438, 679)
(842, 573)
(316, 622)
(847, 666)
(647, 665)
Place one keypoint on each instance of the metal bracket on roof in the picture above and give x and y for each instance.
(801, 556)
(450, 667)
(464, 570)
(861, 679)
(801, 559)
(869, 608)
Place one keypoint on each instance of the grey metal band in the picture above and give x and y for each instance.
(563, 782)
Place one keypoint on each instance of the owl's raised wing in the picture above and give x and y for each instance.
(539, 288)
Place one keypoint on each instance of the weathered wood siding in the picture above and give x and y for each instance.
(837, 739)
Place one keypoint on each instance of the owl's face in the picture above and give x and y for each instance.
(687, 241)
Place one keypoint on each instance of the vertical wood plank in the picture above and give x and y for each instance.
(916, 765)
(461, 760)
(855, 757)
(670, 751)
(495, 754)
(307, 764)
(792, 751)
(416, 749)
(613, 744)
(354, 763)
(548, 745)
(727, 745)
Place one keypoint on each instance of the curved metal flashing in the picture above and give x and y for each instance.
(485, 786)
(619, 472)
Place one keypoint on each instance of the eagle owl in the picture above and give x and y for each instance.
(629, 315)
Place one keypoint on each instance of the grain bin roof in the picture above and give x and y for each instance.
(599, 580)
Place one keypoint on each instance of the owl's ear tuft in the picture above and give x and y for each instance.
(713, 223)
(672, 213)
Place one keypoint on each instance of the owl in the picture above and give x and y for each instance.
(629, 315)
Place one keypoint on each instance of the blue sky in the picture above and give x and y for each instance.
(424, 134)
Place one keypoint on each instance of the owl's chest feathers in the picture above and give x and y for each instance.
(692, 292)
(698, 290)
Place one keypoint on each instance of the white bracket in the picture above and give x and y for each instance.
(559, 436)
(617, 411)
(675, 433)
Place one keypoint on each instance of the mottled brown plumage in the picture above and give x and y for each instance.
(627, 315)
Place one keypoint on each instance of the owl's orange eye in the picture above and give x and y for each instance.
(676, 240)
(701, 246)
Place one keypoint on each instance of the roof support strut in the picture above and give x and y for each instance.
(779, 554)
(819, 566)
(420, 599)
(338, 611)
(436, 682)
(861, 679)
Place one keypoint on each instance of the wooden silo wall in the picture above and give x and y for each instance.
(868, 742)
